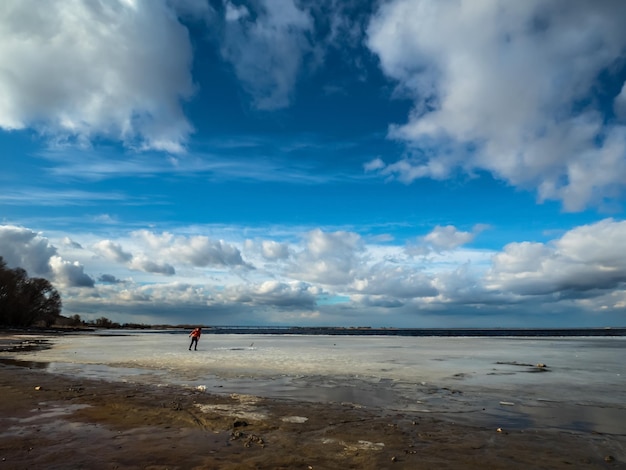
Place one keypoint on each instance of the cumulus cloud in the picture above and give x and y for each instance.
(448, 237)
(133, 296)
(112, 251)
(67, 241)
(376, 301)
(24, 248)
(394, 281)
(159, 253)
(328, 257)
(109, 279)
(511, 88)
(277, 294)
(584, 269)
(196, 250)
(465, 286)
(337, 276)
(274, 250)
(139, 262)
(77, 74)
(444, 238)
(266, 47)
(70, 274)
(143, 263)
(266, 251)
(373, 165)
(585, 262)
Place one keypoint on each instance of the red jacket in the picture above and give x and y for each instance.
(195, 333)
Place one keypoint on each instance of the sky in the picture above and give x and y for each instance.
(401, 163)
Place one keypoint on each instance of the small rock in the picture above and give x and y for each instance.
(609, 458)
(37, 388)
(394, 459)
(236, 435)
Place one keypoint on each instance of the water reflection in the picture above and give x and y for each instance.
(28, 364)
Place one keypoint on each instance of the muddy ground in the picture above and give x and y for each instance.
(58, 422)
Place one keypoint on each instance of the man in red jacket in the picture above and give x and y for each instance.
(195, 336)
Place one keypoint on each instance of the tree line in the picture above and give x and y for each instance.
(26, 301)
(31, 301)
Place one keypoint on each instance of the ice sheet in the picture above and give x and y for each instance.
(493, 379)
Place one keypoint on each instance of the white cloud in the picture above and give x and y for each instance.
(585, 262)
(67, 241)
(143, 263)
(464, 285)
(449, 237)
(442, 239)
(23, 248)
(337, 275)
(274, 250)
(373, 165)
(196, 250)
(328, 257)
(273, 293)
(507, 87)
(376, 301)
(267, 49)
(69, 274)
(132, 296)
(139, 262)
(112, 251)
(234, 12)
(395, 281)
(161, 253)
(81, 70)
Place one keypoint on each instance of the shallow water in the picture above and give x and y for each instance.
(490, 381)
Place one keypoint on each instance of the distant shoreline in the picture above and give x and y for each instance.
(353, 331)
(440, 332)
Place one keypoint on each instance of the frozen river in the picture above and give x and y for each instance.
(483, 380)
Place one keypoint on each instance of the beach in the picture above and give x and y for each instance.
(61, 421)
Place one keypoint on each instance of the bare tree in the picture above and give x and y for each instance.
(25, 301)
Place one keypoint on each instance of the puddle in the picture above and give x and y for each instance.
(45, 417)
(27, 364)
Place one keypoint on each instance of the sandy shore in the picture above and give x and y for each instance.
(49, 421)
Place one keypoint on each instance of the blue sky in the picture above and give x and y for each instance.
(406, 163)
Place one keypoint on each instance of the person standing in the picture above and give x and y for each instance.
(195, 336)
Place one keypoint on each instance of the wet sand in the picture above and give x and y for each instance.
(59, 422)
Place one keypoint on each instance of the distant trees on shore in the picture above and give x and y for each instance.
(31, 301)
(26, 301)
